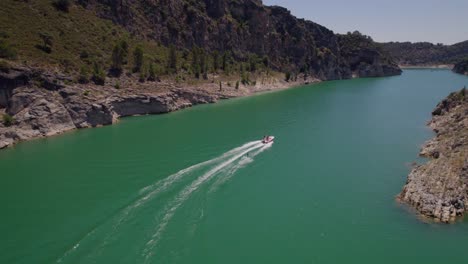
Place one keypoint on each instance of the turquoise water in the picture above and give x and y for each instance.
(322, 193)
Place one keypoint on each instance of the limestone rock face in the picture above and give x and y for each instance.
(438, 188)
(247, 27)
(45, 111)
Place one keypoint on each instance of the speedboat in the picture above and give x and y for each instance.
(268, 139)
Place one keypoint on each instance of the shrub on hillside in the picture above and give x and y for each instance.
(62, 5)
(99, 77)
(287, 76)
(137, 58)
(142, 77)
(8, 120)
(4, 66)
(47, 42)
(119, 57)
(83, 78)
(151, 73)
(6, 50)
(84, 54)
(172, 60)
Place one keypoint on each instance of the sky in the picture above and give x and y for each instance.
(436, 21)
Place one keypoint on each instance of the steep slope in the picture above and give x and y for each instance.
(425, 53)
(244, 28)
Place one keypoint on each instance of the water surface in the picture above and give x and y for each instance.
(322, 193)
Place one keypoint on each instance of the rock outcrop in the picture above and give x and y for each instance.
(41, 111)
(438, 188)
(461, 67)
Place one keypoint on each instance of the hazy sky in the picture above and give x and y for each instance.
(437, 21)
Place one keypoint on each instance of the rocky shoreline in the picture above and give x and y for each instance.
(41, 104)
(426, 66)
(438, 189)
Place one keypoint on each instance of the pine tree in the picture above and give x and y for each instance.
(99, 77)
(196, 62)
(215, 60)
(137, 58)
(151, 73)
(117, 59)
(172, 61)
(225, 61)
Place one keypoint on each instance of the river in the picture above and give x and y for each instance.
(196, 186)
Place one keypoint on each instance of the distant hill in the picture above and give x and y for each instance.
(425, 53)
(461, 67)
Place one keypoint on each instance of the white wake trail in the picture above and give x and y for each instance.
(150, 192)
(174, 177)
(184, 195)
(244, 161)
(162, 185)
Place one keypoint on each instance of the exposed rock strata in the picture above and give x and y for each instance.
(438, 188)
(42, 111)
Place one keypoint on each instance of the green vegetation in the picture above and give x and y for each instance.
(151, 73)
(4, 66)
(83, 77)
(85, 46)
(425, 53)
(245, 78)
(172, 60)
(215, 61)
(47, 42)
(79, 37)
(117, 85)
(196, 68)
(99, 77)
(287, 76)
(461, 67)
(142, 76)
(6, 50)
(8, 120)
(119, 57)
(137, 58)
(62, 5)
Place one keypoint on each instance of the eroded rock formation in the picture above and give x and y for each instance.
(438, 188)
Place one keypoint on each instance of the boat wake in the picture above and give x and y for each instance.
(147, 218)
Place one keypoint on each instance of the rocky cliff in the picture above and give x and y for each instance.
(247, 27)
(438, 188)
(39, 109)
(461, 67)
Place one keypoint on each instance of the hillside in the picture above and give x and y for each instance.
(461, 67)
(248, 31)
(425, 53)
